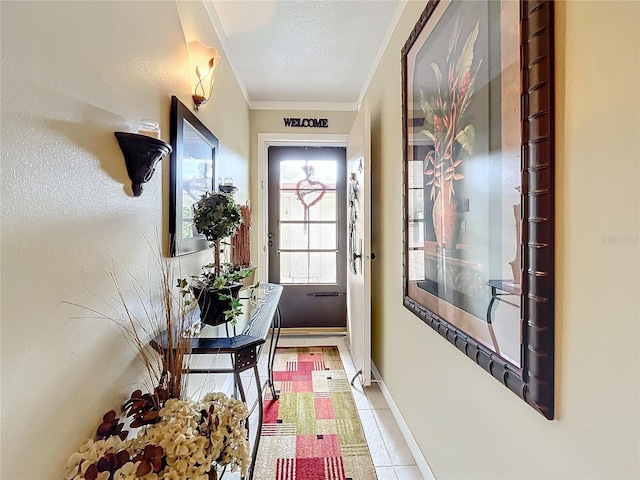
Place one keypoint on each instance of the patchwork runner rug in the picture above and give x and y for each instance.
(313, 431)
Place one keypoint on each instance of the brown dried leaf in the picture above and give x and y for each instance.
(150, 416)
(122, 457)
(137, 423)
(110, 416)
(104, 465)
(92, 472)
(105, 428)
(143, 469)
(156, 463)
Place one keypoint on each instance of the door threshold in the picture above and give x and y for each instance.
(322, 331)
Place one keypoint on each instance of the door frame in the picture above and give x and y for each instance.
(266, 140)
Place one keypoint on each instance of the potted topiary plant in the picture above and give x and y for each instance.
(217, 216)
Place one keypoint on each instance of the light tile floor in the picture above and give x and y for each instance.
(389, 452)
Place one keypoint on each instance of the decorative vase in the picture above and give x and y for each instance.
(212, 308)
(446, 220)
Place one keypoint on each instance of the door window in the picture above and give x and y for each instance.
(308, 231)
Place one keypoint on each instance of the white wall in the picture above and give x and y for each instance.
(466, 423)
(72, 74)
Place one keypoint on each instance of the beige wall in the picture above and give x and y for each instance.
(466, 424)
(72, 74)
(271, 121)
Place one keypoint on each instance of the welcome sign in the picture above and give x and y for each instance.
(306, 122)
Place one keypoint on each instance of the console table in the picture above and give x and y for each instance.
(499, 288)
(244, 350)
(506, 286)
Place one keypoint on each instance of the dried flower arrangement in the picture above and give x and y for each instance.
(176, 439)
(163, 434)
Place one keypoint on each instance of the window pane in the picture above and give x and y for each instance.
(416, 204)
(293, 171)
(323, 236)
(293, 236)
(291, 208)
(308, 236)
(312, 267)
(415, 177)
(416, 265)
(416, 234)
(322, 267)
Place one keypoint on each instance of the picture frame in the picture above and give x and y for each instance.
(191, 174)
(478, 186)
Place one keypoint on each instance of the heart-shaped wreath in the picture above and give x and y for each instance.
(309, 191)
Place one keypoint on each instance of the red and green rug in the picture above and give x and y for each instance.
(313, 431)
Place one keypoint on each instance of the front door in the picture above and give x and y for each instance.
(307, 234)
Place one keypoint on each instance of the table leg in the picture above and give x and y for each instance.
(272, 351)
(494, 297)
(256, 443)
(494, 339)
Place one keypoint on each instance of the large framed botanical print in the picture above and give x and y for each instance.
(478, 130)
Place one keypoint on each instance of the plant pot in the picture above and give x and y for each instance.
(211, 307)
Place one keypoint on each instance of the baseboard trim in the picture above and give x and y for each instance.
(314, 331)
(421, 462)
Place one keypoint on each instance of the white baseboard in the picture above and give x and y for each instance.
(421, 463)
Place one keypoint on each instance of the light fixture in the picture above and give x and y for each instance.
(203, 60)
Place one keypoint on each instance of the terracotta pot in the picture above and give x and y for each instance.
(446, 220)
(211, 307)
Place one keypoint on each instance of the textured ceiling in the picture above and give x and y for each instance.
(304, 50)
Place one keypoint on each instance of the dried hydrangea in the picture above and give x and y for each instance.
(188, 439)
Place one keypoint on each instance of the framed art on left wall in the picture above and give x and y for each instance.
(191, 174)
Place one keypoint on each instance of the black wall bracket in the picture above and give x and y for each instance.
(141, 155)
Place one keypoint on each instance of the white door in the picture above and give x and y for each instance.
(359, 244)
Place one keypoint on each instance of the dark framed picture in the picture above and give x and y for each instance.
(478, 185)
(191, 174)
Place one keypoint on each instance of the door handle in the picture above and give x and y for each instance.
(326, 294)
(356, 256)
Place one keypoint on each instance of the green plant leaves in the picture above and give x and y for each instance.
(216, 215)
(466, 138)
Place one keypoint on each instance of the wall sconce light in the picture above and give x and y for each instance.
(142, 153)
(203, 62)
